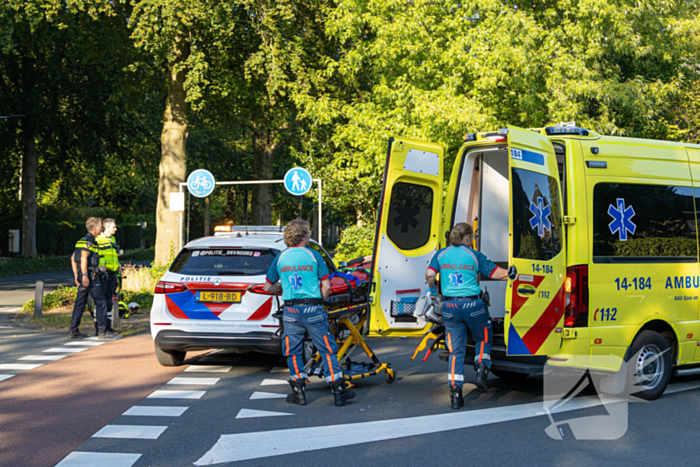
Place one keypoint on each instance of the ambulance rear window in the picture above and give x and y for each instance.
(639, 221)
(410, 213)
(223, 262)
(536, 216)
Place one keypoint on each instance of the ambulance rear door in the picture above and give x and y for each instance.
(536, 253)
(407, 235)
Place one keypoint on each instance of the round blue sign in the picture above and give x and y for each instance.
(297, 181)
(201, 183)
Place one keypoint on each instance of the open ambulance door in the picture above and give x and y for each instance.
(536, 252)
(407, 236)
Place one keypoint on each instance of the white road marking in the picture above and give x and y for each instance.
(4, 377)
(94, 338)
(130, 431)
(10, 309)
(6, 327)
(279, 369)
(149, 411)
(267, 395)
(161, 394)
(274, 382)
(194, 381)
(65, 349)
(209, 369)
(103, 459)
(679, 387)
(245, 446)
(248, 413)
(43, 357)
(90, 343)
(19, 366)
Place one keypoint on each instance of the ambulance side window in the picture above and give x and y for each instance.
(410, 213)
(638, 221)
(536, 216)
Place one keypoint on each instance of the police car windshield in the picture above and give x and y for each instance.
(223, 262)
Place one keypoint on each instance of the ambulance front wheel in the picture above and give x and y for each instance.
(649, 366)
(389, 375)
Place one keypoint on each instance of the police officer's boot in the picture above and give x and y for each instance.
(482, 373)
(298, 395)
(456, 396)
(341, 393)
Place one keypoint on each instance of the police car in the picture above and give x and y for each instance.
(202, 302)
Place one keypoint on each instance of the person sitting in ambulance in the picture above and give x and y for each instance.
(462, 307)
(303, 279)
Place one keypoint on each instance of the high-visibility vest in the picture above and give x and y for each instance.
(107, 248)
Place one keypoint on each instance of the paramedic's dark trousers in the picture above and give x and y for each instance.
(298, 320)
(460, 315)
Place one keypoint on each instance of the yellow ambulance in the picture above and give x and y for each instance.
(601, 232)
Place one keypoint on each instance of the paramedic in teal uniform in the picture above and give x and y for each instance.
(462, 307)
(302, 276)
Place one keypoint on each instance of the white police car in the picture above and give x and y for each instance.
(202, 302)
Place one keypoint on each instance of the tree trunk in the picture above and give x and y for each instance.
(30, 163)
(263, 150)
(173, 160)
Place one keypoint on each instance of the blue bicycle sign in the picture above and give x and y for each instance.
(201, 183)
(297, 181)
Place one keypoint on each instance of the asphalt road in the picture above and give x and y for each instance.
(228, 409)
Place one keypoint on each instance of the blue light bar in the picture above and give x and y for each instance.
(566, 130)
(469, 137)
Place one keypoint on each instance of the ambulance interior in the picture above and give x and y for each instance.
(483, 201)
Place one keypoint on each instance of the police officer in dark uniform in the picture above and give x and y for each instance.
(462, 306)
(87, 259)
(303, 279)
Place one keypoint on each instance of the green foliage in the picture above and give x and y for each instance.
(656, 247)
(138, 255)
(355, 242)
(61, 297)
(17, 266)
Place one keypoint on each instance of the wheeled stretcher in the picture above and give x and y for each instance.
(347, 309)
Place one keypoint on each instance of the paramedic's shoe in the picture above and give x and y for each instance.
(482, 373)
(298, 395)
(456, 396)
(341, 393)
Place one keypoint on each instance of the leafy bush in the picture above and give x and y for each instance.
(355, 242)
(17, 266)
(63, 296)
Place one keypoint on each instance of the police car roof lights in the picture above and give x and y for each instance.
(566, 130)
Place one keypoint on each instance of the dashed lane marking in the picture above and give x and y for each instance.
(194, 381)
(130, 431)
(43, 357)
(64, 350)
(208, 369)
(85, 342)
(150, 411)
(4, 377)
(267, 395)
(103, 459)
(248, 413)
(245, 446)
(161, 394)
(273, 382)
(19, 366)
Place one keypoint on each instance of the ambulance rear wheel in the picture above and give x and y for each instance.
(170, 357)
(509, 375)
(649, 367)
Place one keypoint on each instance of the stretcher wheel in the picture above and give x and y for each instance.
(389, 375)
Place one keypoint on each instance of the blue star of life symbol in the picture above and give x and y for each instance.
(621, 219)
(295, 281)
(539, 220)
(456, 279)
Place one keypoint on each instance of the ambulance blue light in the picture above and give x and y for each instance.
(566, 130)
(469, 137)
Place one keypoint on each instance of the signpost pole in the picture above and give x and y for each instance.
(320, 213)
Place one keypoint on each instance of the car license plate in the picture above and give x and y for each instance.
(220, 297)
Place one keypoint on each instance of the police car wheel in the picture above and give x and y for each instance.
(509, 375)
(649, 367)
(170, 357)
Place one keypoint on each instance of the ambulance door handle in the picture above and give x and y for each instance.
(526, 290)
